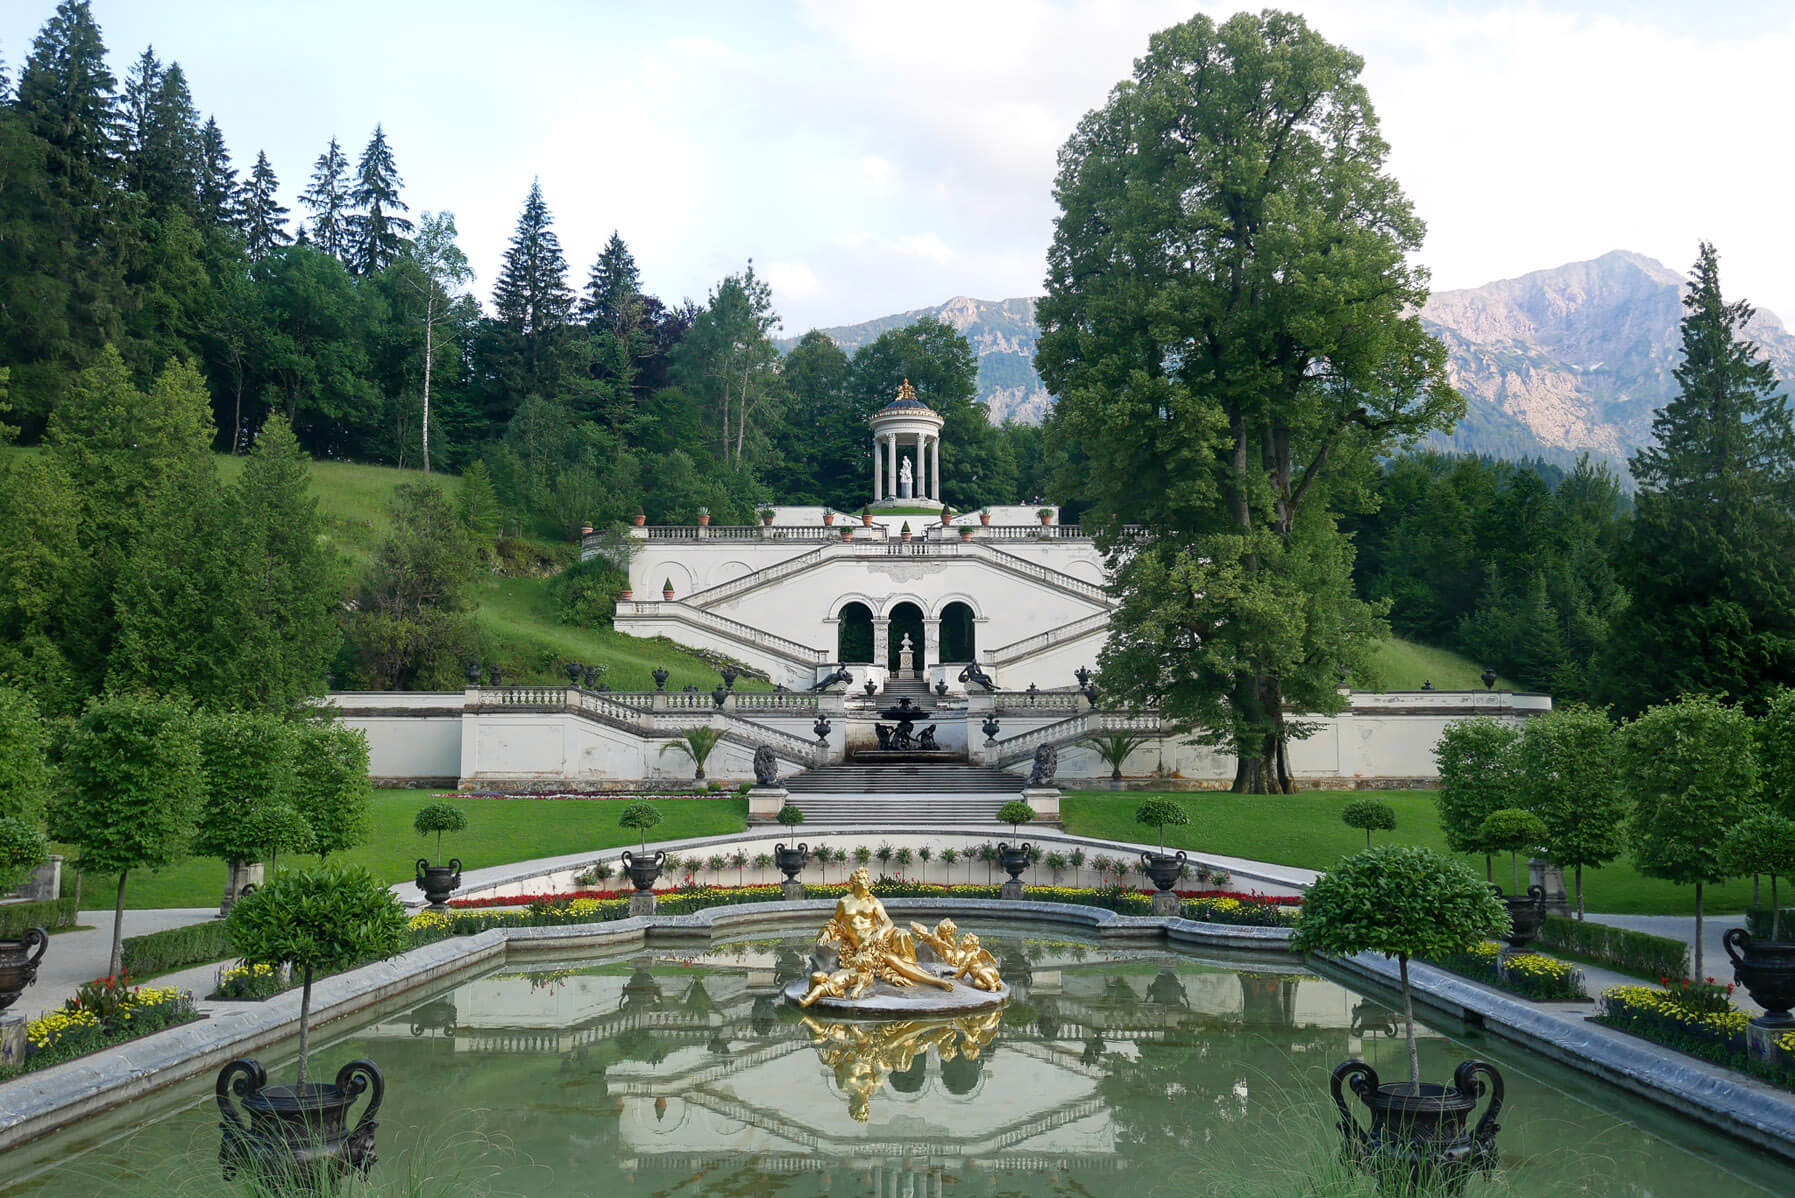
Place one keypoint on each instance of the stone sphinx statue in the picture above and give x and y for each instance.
(1047, 766)
(766, 767)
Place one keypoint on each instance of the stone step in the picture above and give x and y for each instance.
(922, 778)
(836, 811)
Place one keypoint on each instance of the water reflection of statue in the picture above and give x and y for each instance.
(905, 480)
(869, 948)
(864, 1055)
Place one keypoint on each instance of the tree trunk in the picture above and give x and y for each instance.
(1408, 1023)
(305, 1022)
(1699, 975)
(1579, 892)
(118, 929)
(429, 340)
(1489, 869)
(1776, 912)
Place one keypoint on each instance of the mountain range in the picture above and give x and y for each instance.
(1551, 363)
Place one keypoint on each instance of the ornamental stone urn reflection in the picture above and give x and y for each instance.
(1766, 968)
(18, 964)
(1417, 1138)
(296, 1136)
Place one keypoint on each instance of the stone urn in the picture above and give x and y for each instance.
(990, 729)
(1013, 860)
(296, 1133)
(18, 964)
(1766, 968)
(1164, 868)
(643, 869)
(1421, 1138)
(437, 1015)
(791, 861)
(438, 882)
(1526, 914)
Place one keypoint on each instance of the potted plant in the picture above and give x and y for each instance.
(1165, 869)
(704, 517)
(966, 532)
(1514, 829)
(625, 595)
(667, 588)
(866, 515)
(696, 743)
(828, 518)
(847, 533)
(1372, 815)
(642, 868)
(1407, 901)
(1014, 860)
(641, 518)
(438, 881)
(1760, 844)
(790, 861)
(947, 515)
(22, 849)
(984, 515)
(766, 516)
(1046, 515)
(318, 920)
(904, 532)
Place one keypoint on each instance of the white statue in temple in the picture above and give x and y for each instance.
(905, 479)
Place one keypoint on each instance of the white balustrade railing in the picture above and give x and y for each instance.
(685, 711)
(1028, 646)
(773, 573)
(1038, 700)
(668, 609)
(774, 701)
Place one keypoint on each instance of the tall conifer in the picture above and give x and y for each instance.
(262, 216)
(377, 231)
(614, 282)
(532, 297)
(217, 178)
(328, 198)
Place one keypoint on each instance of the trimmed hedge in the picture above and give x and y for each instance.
(50, 914)
(177, 948)
(1638, 953)
(1757, 922)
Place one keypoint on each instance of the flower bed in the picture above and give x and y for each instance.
(104, 1012)
(1697, 1018)
(1532, 976)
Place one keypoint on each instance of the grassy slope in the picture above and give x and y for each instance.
(499, 831)
(1304, 829)
(1399, 665)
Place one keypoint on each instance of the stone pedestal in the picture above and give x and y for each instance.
(238, 875)
(1012, 889)
(641, 903)
(764, 803)
(12, 1039)
(1551, 877)
(793, 889)
(1046, 802)
(1167, 903)
(42, 883)
(1760, 1041)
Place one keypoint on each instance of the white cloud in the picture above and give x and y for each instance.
(793, 280)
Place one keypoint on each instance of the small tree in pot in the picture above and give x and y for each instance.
(791, 860)
(1512, 829)
(1163, 868)
(642, 869)
(1406, 901)
(438, 881)
(1014, 859)
(697, 744)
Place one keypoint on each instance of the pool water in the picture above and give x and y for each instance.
(1110, 1072)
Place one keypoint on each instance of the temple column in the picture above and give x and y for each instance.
(931, 646)
(922, 471)
(881, 642)
(935, 469)
(878, 472)
(892, 482)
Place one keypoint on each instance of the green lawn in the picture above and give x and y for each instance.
(354, 499)
(1399, 665)
(1305, 830)
(499, 831)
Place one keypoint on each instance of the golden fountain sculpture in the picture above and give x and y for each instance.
(866, 965)
(862, 1054)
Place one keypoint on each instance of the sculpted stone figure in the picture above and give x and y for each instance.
(1047, 765)
(883, 732)
(926, 738)
(766, 767)
(869, 948)
(972, 673)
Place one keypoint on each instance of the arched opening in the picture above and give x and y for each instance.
(905, 620)
(957, 643)
(854, 634)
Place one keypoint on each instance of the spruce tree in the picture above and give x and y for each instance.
(532, 298)
(217, 179)
(137, 117)
(262, 217)
(69, 99)
(614, 283)
(328, 198)
(1710, 560)
(175, 145)
(377, 231)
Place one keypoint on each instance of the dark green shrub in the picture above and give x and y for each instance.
(177, 948)
(48, 914)
(1373, 815)
(1638, 953)
(585, 593)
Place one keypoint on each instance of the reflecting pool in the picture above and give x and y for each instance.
(1110, 1072)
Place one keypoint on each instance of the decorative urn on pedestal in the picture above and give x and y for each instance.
(1418, 1133)
(1164, 868)
(1526, 915)
(18, 963)
(791, 862)
(1013, 860)
(644, 869)
(1766, 968)
(297, 1133)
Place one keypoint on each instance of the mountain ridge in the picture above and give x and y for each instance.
(1552, 363)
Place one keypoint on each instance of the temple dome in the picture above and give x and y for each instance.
(905, 404)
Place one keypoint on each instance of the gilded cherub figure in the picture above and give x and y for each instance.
(977, 965)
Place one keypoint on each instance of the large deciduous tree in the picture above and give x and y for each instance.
(1710, 560)
(1567, 772)
(1231, 329)
(441, 271)
(729, 363)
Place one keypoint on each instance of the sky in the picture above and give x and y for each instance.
(873, 158)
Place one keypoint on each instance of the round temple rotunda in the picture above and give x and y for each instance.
(906, 451)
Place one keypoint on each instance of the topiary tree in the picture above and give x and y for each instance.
(1373, 815)
(330, 786)
(1776, 750)
(1114, 748)
(1568, 773)
(439, 818)
(25, 776)
(697, 744)
(1691, 767)
(1513, 829)
(132, 786)
(1015, 813)
(1157, 813)
(639, 817)
(1762, 843)
(276, 828)
(789, 816)
(22, 849)
(1402, 901)
(1477, 760)
(318, 920)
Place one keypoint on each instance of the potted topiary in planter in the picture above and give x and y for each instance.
(641, 518)
(766, 516)
(1046, 515)
(904, 532)
(790, 861)
(667, 588)
(1369, 814)
(866, 515)
(319, 920)
(1514, 829)
(1407, 901)
(966, 532)
(439, 881)
(984, 515)
(1014, 860)
(643, 869)
(828, 518)
(1164, 869)
(1760, 844)
(22, 849)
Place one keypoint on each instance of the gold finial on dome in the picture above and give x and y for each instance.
(906, 391)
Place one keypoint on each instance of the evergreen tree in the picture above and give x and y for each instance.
(217, 179)
(376, 230)
(614, 285)
(261, 216)
(1710, 561)
(532, 300)
(328, 198)
(159, 136)
(69, 100)
(136, 127)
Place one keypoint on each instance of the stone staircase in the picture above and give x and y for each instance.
(922, 779)
(915, 811)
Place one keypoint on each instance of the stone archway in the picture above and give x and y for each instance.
(904, 619)
(959, 641)
(854, 634)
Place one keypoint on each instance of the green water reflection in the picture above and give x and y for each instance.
(1110, 1072)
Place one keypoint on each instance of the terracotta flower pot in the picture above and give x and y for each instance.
(984, 517)
(828, 519)
(641, 519)
(704, 520)
(626, 594)
(866, 518)
(847, 534)
(667, 593)
(966, 533)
